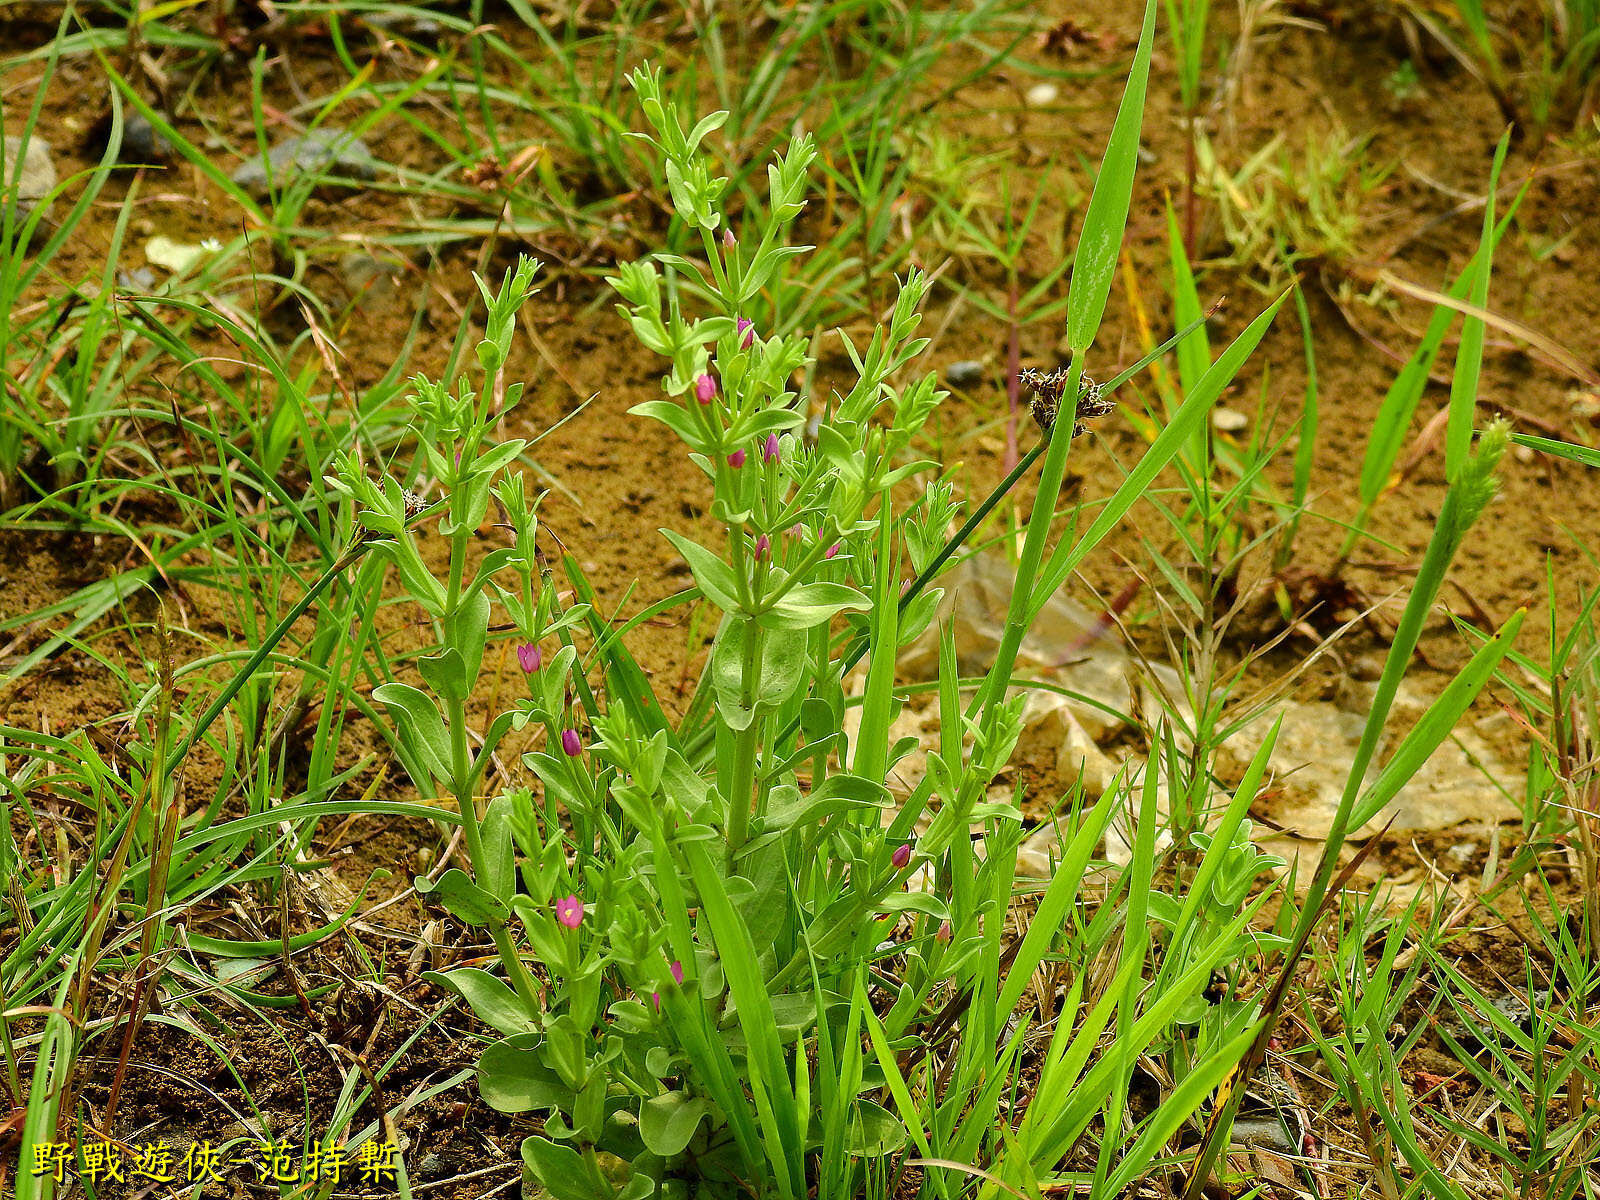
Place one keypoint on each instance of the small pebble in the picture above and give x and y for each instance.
(404, 22)
(1461, 853)
(1524, 454)
(1041, 94)
(964, 373)
(137, 279)
(1584, 403)
(326, 150)
(370, 278)
(1225, 420)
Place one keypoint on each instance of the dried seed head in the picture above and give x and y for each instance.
(1047, 388)
(415, 505)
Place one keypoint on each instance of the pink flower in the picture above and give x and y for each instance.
(570, 912)
(762, 546)
(901, 856)
(571, 743)
(769, 449)
(705, 388)
(528, 657)
(736, 459)
(747, 332)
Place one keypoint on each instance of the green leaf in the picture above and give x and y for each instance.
(1107, 216)
(780, 668)
(676, 418)
(667, 1122)
(467, 632)
(420, 728)
(561, 1171)
(715, 578)
(1586, 455)
(1469, 351)
(499, 871)
(464, 900)
(446, 674)
(922, 902)
(225, 948)
(810, 605)
(874, 1131)
(839, 793)
(513, 1077)
(1400, 402)
(1175, 1110)
(494, 1003)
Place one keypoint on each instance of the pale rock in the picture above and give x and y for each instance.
(38, 177)
(1066, 643)
(1463, 780)
(1050, 718)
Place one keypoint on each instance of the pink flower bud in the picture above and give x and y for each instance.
(705, 388)
(942, 934)
(769, 449)
(747, 332)
(528, 657)
(901, 856)
(832, 550)
(736, 459)
(762, 546)
(677, 977)
(571, 743)
(797, 530)
(728, 240)
(570, 912)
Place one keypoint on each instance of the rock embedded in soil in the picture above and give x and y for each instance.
(38, 176)
(142, 142)
(324, 151)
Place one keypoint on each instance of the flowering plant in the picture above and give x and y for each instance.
(702, 900)
(717, 906)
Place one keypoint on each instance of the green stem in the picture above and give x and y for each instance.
(742, 786)
(460, 772)
(515, 967)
